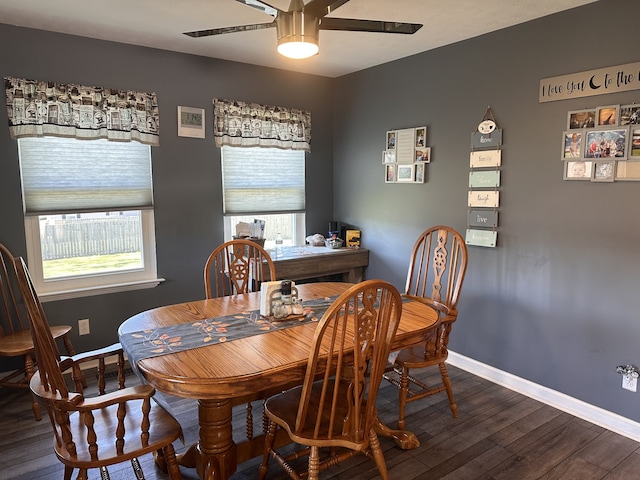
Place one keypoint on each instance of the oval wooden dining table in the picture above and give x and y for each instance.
(227, 373)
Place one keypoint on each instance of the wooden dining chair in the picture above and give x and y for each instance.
(110, 428)
(436, 271)
(237, 266)
(15, 338)
(336, 405)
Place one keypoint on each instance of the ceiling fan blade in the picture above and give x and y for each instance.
(320, 8)
(238, 28)
(262, 6)
(354, 25)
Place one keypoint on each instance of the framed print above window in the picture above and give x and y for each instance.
(191, 122)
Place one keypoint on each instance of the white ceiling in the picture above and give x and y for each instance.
(160, 24)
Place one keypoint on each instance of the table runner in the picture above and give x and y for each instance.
(209, 331)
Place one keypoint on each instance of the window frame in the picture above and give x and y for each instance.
(299, 228)
(94, 284)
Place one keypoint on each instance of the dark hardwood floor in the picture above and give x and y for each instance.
(499, 434)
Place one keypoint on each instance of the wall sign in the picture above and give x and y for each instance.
(486, 140)
(481, 238)
(620, 78)
(484, 179)
(482, 218)
(485, 160)
(484, 198)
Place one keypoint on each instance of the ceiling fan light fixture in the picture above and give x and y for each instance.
(297, 49)
(297, 34)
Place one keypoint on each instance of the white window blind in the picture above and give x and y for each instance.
(262, 180)
(64, 175)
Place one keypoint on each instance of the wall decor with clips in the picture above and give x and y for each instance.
(485, 161)
(406, 156)
(602, 144)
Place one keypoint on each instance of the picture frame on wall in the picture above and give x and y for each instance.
(577, 170)
(421, 137)
(572, 144)
(606, 143)
(392, 137)
(629, 115)
(607, 116)
(405, 173)
(634, 144)
(578, 119)
(390, 173)
(627, 171)
(423, 154)
(419, 172)
(604, 171)
(388, 156)
(191, 122)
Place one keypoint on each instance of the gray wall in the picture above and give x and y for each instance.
(186, 171)
(556, 302)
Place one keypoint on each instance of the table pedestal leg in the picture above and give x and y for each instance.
(404, 439)
(214, 456)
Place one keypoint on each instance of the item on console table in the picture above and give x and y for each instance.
(316, 240)
(334, 242)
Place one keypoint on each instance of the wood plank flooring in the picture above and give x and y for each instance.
(498, 435)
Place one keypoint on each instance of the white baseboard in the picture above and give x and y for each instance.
(611, 421)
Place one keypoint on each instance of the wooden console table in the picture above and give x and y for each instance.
(301, 263)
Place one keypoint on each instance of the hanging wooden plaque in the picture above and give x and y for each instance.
(481, 238)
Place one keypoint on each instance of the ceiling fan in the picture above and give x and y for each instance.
(298, 27)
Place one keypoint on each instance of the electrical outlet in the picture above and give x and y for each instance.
(630, 382)
(83, 327)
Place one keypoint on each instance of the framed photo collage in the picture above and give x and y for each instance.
(602, 144)
(406, 156)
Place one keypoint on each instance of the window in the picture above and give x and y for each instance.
(88, 215)
(265, 183)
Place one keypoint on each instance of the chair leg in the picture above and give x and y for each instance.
(29, 371)
(314, 463)
(268, 445)
(447, 383)
(172, 463)
(68, 472)
(378, 456)
(249, 421)
(402, 396)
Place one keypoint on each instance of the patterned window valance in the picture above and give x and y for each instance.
(38, 108)
(240, 124)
